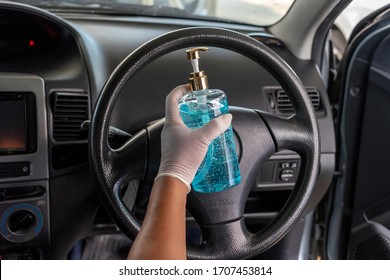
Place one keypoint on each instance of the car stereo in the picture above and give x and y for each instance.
(17, 123)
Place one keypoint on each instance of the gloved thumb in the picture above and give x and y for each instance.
(212, 129)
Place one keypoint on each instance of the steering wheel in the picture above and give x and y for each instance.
(219, 215)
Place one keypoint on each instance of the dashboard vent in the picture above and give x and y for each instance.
(70, 110)
(284, 105)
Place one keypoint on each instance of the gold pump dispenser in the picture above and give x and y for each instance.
(198, 79)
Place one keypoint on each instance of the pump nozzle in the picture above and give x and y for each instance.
(198, 79)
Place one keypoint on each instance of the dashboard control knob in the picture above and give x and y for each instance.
(21, 221)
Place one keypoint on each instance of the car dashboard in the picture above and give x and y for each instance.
(52, 70)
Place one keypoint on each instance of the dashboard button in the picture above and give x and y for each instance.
(287, 175)
(284, 165)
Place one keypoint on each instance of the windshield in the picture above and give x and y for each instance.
(255, 12)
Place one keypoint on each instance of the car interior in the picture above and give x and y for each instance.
(82, 100)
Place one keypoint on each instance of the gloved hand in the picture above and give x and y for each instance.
(183, 149)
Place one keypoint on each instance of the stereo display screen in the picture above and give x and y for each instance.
(13, 125)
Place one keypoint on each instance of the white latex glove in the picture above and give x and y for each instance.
(183, 149)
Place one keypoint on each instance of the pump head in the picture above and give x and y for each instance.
(198, 79)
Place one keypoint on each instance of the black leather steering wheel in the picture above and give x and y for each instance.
(220, 215)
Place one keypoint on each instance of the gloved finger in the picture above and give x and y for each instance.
(171, 102)
(212, 129)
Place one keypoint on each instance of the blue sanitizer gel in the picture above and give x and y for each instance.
(219, 169)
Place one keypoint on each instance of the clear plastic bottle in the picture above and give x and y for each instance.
(219, 169)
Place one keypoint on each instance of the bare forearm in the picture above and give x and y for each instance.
(163, 232)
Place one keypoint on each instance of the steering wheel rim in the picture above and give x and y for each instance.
(226, 238)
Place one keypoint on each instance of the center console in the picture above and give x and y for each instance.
(24, 168)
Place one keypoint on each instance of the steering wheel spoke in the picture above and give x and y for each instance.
(232, 236)
(129, 161)
(290, 133)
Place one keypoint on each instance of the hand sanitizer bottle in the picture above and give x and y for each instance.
(219, 169)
